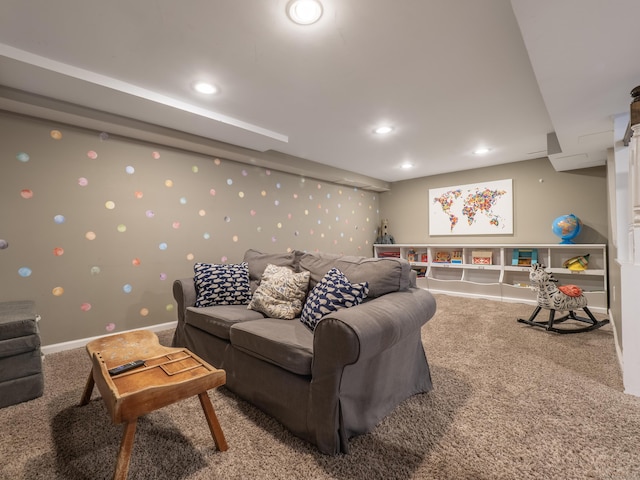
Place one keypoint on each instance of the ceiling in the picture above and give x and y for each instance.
(450, 76)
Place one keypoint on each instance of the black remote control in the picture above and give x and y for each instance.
(126, 367)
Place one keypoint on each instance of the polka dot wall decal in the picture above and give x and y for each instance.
(252, 213)
(95, 270)
(58, 251)
(229, 181)
(23, 157)
(149, 213)
(279, 225)
(223, 259)
(144, 312)
(138, 194)
(26, 193)
(127, 288)
(206, 236)
(202, 213)
(155, 155)
(110, 327)
(306, 212)
(217, 161)
(57, 291)
(59, 219)
(163, 246)
(235, 238)
(267, 172)
(212, 192)
(24, 272)
(130, 170)
(278, 186)
(83, 182)
(175, 225)
(274, 239)
(195, 169)
(109, 205)
(244, 173)
(163, 276)
(263, 193)
(92, 154)
(85, 307)
(183, 200)
(296, 233)
(241, 194)
(90, 235)
(168, 183)
(190, 257)
(104, 136)
(319, 186)
(276, 203)
(121, 228)
(227, 219)
(135, 262)
(56, 134)
(169, 307)
(289, 216)
(295, 195)
(3, 244)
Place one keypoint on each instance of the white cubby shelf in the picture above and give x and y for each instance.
(502, 280)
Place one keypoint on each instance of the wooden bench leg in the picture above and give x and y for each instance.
(88, 390)
(212, 421)
(124, 455)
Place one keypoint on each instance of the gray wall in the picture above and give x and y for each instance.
(204, 209)
(536, 203)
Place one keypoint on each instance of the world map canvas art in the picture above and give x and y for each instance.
(484, 208)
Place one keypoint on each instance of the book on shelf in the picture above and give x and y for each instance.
(389, 254)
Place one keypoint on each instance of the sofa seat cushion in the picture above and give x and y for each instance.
(284, 343)
(218, 319)
(383, 275)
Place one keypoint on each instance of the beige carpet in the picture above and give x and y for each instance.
(510, 402)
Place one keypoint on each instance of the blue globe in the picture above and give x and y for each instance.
(567, 227)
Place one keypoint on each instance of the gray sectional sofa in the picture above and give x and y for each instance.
(329, 384)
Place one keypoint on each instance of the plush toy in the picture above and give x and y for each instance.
(384, 235)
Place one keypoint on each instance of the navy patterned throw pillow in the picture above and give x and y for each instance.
(332, 293)
(221, 284)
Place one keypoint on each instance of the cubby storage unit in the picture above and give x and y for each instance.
(499, 271)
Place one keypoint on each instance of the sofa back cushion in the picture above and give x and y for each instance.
(384, 275)
(258, 262)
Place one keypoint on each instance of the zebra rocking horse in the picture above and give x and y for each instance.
(567, 298)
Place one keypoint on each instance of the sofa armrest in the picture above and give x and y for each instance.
(361, 332)
(184, 292)
(358, 353)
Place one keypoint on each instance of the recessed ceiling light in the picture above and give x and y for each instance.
(204, 87)
(383, 130)
(304, 12)
(406, 165)
(481, 151)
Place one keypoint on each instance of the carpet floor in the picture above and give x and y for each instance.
(510, 401)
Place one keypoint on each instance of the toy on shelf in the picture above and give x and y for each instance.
(456, 257)
(524, 257)
(566, 298)
(481, 257)
(412, 256)
(442, 257)
(577, 264)
(384, 235)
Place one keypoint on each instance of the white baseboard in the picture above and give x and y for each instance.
(617, 344)
(59, 347)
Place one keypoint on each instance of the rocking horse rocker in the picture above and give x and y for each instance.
(567, 298)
